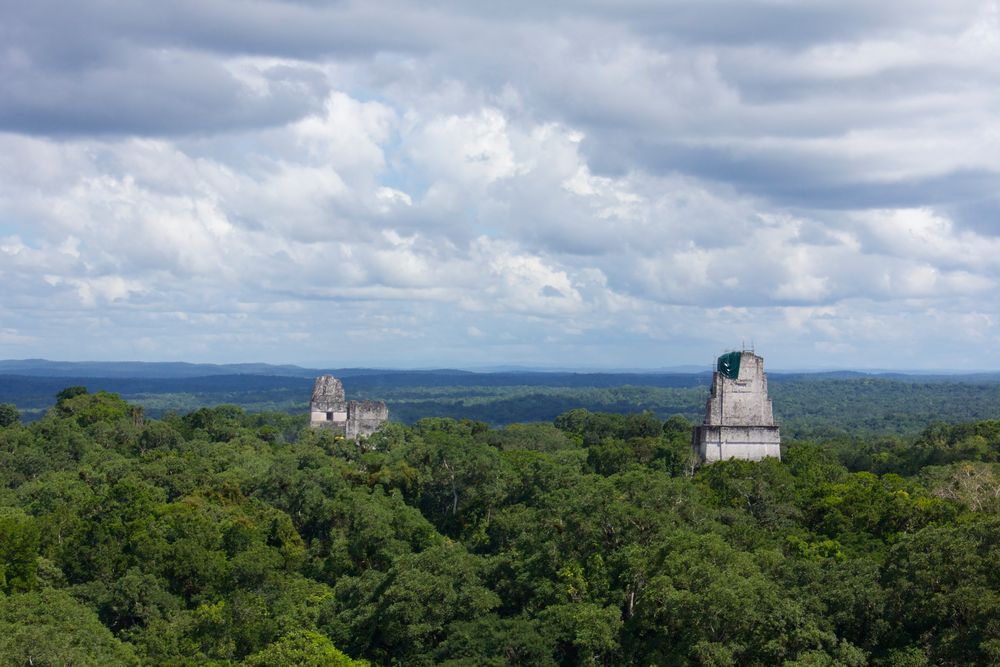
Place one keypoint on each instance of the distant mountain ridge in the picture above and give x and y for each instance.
(809, 402)
(161, 369)
(686, 375)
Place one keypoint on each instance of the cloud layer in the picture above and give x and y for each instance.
(415, 184)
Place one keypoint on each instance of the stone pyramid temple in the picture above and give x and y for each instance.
(739, 423)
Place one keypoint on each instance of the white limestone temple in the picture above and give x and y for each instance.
(739, 422)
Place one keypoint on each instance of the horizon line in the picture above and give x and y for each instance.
(682, 368)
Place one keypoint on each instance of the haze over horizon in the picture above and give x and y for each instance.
(403, 185)
(158, 368)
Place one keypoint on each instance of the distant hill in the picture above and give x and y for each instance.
(675, 376)
(37, 391)
(171, 369)
(808, 404)
(140, 369)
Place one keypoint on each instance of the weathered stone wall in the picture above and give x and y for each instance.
(365, 417)
(328, 394)
(751, 443)
(739, 420)
(742, 400)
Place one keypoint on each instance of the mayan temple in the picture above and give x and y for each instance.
(739, 423)
(329, 408)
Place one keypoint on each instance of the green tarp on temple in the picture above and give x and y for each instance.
(729, 365)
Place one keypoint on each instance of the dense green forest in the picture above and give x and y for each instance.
(227, 538)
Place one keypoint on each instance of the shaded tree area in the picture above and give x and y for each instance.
(220, 537)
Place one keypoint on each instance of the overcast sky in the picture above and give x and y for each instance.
(593, 184)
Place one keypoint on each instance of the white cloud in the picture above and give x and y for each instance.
(12, 337)
(625, 184)
(467, 152)
(923, 234)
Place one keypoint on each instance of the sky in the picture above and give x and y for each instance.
(586, 184)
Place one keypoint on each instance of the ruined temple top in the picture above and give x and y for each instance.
(739, 392)
(327, 393)
(328, 409)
